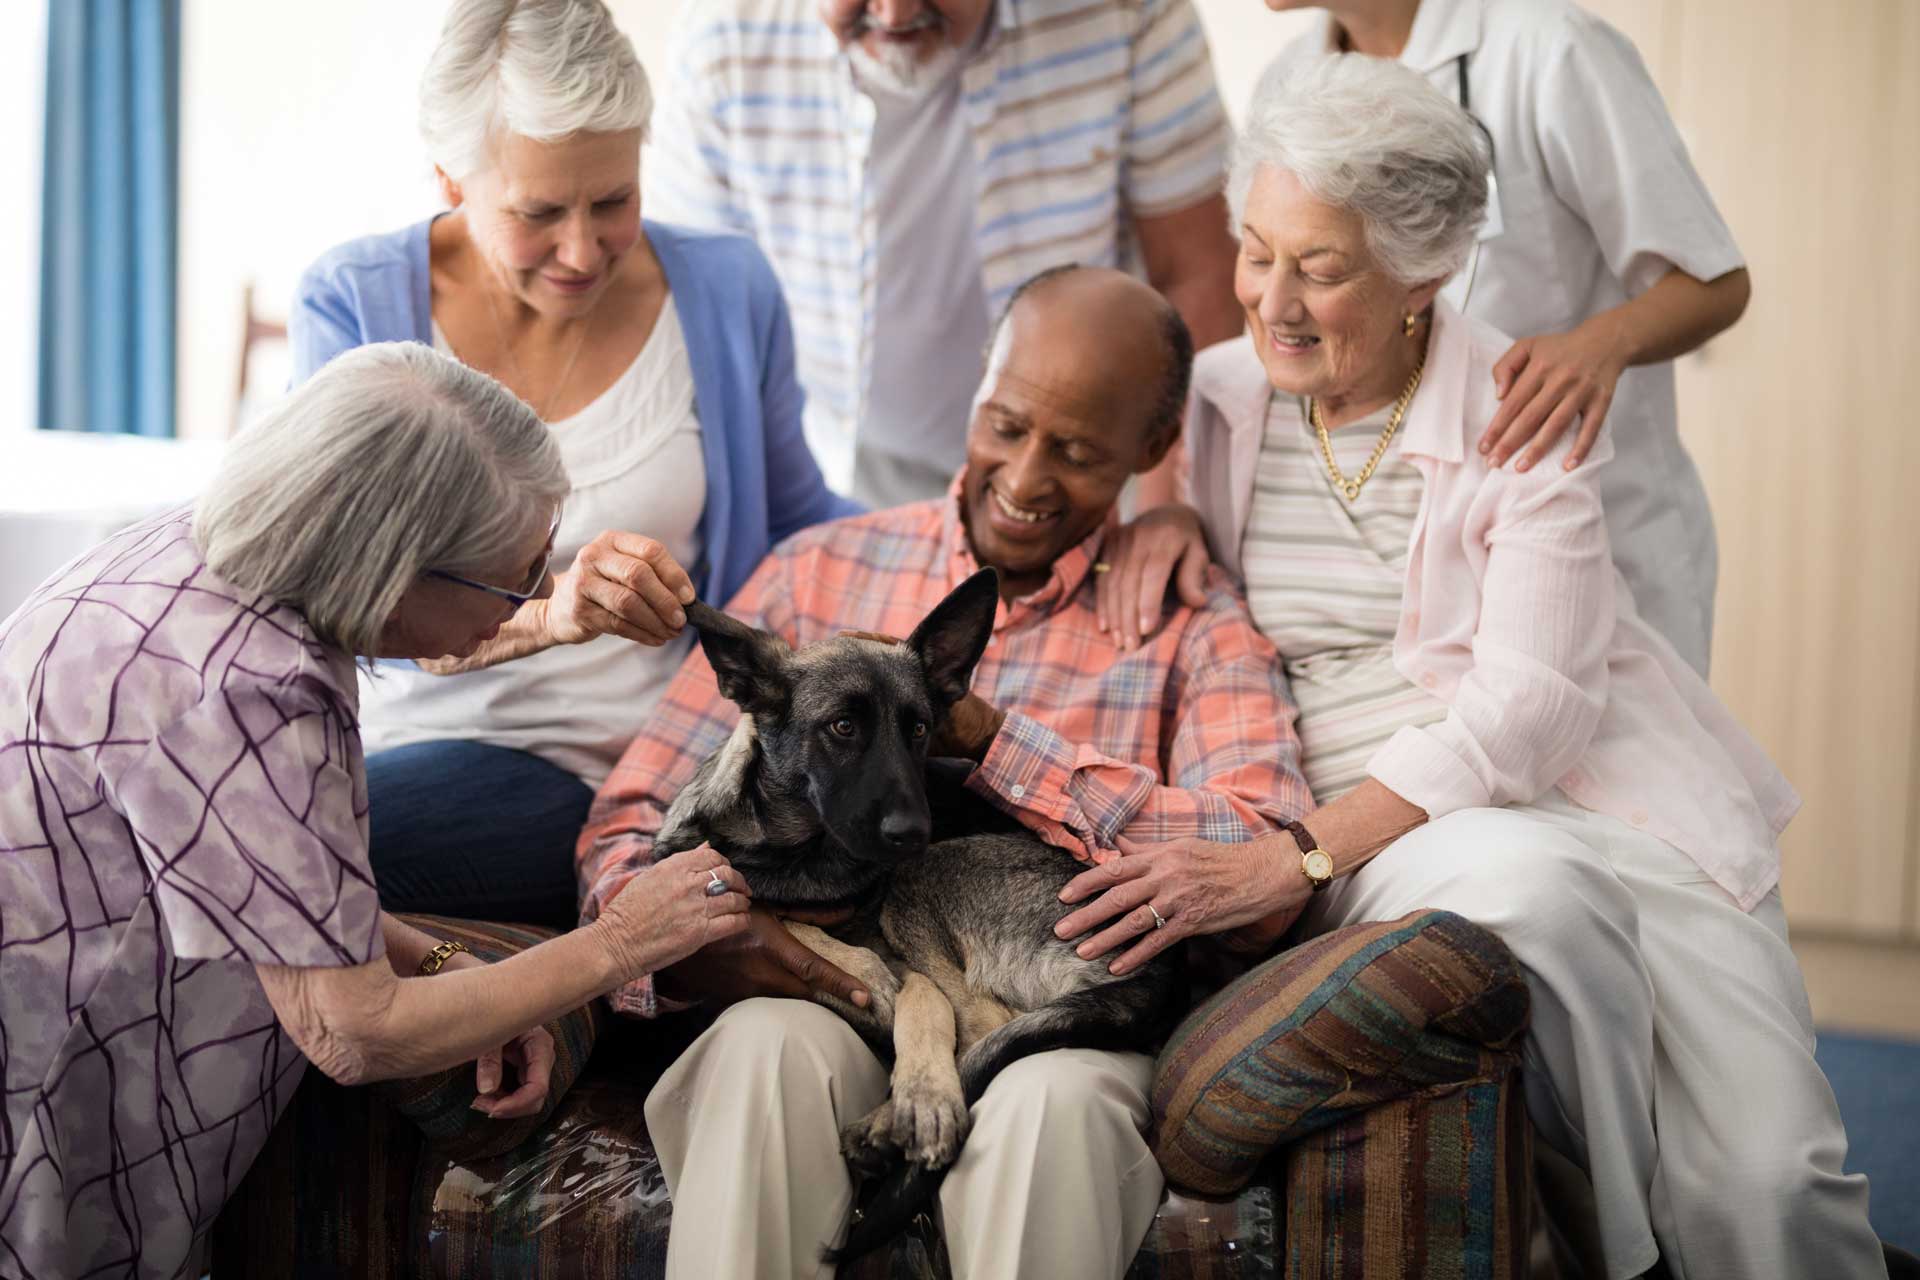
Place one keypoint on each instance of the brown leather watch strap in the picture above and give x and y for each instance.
(1301, 836)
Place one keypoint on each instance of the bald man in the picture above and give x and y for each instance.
(1080, 740)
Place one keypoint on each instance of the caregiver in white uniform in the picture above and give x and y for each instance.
(1603, 255)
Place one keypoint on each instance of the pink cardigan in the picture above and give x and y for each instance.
(1514, 615)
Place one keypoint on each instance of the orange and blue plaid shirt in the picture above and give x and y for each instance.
(1191, 734)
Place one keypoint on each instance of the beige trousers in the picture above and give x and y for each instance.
(1055, 1179)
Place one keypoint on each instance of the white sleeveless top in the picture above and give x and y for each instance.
(635, 462)
(1324, 582)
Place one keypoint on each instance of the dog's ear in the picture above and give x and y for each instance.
(950, 640)
(750, 665)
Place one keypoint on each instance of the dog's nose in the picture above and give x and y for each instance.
(905, 832)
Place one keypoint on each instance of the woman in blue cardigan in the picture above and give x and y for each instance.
(663, 360)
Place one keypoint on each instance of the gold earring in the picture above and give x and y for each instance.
(1407, 325)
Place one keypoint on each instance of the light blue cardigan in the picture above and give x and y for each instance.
(762, 481)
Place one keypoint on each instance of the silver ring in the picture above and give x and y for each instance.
(1159, 921)
(715, 886)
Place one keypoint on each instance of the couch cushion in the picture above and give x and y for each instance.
(442, 1103)
(1338, 1024)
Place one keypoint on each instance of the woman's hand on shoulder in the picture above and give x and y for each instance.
(1544, 385)
(621, 584)
(666, 913)
(1161, 546)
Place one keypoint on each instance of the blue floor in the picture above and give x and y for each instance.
(1878, 1084)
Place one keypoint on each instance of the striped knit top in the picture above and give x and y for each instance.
(1084, 114)
(1324, 581)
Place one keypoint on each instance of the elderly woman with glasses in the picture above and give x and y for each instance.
(663, 359)
(188, 913)
(1487, 724)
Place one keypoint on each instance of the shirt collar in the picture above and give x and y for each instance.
(1069, 573)
(1442, 31)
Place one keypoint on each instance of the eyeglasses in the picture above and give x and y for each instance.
(530, 591)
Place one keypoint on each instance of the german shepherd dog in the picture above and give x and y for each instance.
(821, 799)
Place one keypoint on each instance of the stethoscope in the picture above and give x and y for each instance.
(1493, 184)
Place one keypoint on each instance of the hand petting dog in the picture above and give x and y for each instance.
(761, 960)
(621, 584)
(1156, 895)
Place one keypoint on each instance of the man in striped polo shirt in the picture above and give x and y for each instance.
(906, 163)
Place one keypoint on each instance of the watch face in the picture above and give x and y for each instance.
(1319, 865)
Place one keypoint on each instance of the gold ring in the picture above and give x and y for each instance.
(1101, 566)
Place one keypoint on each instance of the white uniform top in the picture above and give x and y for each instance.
(634, 459)
(1597, 201)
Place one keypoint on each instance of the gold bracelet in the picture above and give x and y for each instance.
(437, 958)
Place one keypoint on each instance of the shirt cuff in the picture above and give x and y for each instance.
(1027, 767)
(1418, 767)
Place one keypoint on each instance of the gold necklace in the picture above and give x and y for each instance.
(539, 406)
(1351, 488)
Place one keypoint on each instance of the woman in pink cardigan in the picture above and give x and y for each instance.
(1487, 724)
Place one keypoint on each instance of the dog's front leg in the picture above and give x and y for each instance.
(926, 1118)
(866, 968)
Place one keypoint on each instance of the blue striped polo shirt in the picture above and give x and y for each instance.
(1085, 114)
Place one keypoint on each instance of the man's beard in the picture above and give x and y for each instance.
(899, 68)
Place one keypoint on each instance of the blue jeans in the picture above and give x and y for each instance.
(476, 831)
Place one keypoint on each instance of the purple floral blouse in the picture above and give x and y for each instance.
(182, 797)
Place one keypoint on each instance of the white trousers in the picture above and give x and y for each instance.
(1671, 1049)
(1055, 1179)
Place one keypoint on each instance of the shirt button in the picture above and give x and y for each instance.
(1016, 790)
(1413, 618)
(1639, 818)
(1429, 680)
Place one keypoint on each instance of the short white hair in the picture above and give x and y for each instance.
(539, 69)
(391, 461)
(1375, 138)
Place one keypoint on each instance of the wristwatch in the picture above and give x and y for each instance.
(1315, 862)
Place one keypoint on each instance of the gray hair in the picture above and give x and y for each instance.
(1374, 138)
(391, 461)
(542, 69)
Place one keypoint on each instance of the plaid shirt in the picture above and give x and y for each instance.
(1189, 735)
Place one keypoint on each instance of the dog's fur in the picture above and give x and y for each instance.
(821, 798)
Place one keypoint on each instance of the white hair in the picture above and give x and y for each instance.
(1375, 138)
(539, 69)
(391, 461)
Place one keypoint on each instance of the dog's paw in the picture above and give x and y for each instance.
(930, 1120)
(883, 990)
(868, 1143)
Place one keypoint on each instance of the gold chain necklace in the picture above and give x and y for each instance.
(1351, 488)
(539, 407)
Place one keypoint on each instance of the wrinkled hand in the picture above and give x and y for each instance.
(1160, 546)
(971, 724)
(665, 914)
(1199, 887)
(762, 959)
(621, 584)
(1544, 383)
(530, 1054)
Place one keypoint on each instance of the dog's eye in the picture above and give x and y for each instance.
(842, 728)
(919, 730)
